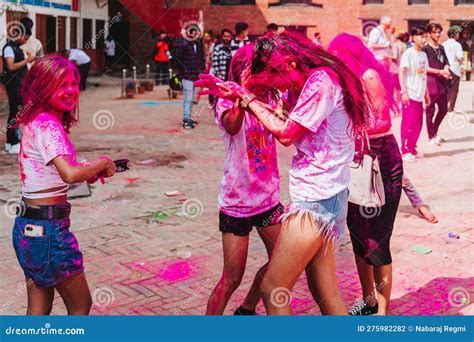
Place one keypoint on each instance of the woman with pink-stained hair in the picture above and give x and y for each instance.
(326, 108)
(47, 251)
(370, 235)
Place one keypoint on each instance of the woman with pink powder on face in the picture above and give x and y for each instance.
(326, 107)
(46, 249)
(249, 195)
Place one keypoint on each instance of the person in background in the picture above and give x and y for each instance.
(14, 70)
(241, 37)
(32, 45)
(416, 201)
(466, 43)
(189, 52)
(109, 45)
(453, 50)
(272, 27)
(222, 55)
(317, 38)
(413, 85)
(82, 61)
(438, 76)
(208, 46)
(380, 41)
(162, 60)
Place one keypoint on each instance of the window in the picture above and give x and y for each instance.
(232, 2)
(418, 2)
(372, 2)
(417, 22)
(86, 32)
(463, 2)
(73, 42)
(61, 33)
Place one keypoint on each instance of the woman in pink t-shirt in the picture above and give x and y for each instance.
(249, 195)
(47, 250)
(326, 105)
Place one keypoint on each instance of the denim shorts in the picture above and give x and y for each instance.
(49, 259)
(329, 215)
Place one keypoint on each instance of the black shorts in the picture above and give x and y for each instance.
(242, 226)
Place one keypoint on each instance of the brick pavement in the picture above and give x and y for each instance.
(137, 265)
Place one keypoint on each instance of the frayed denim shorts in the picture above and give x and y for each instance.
(329, 215)
(49, 259)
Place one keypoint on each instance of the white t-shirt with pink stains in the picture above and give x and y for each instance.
(251, 181)
(43, 139)
(320, 166)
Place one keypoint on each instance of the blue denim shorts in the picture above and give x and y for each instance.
(329, 215)
(49, 259)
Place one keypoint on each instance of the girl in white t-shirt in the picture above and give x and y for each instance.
(249, 195)
(325, 104)
(47, 250)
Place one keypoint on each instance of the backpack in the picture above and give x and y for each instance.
(175, 83)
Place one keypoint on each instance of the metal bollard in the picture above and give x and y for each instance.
(124, 74)
(147, 76)
(135, 78)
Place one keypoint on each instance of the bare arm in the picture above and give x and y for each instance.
(376, 93)
(233, 118)
(12, 66)
(74, 172)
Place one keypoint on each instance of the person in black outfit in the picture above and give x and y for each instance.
(14, 69)
(438, 76)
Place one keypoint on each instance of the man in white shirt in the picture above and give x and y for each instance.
(413, 84)
(83, 62)
(380, 41)
(32, 46)
(453, 50)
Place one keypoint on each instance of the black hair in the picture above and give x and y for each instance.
(240, 27)
(433, 26)
(272, 27)
(417, 31)
(226, 31)
(27, 23)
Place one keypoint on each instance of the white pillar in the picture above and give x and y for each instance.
(68, 32)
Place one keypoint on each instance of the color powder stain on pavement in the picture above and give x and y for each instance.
(176, 271)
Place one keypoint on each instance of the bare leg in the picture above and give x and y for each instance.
(235, 259)
(298, 243)
(366, 276)
(322, 282)
(75, 294)
(383, 279)
(269, 236)
(40, 301)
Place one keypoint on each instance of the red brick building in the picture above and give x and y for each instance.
(329, 17)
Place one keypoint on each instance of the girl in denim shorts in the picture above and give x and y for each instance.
(249, 195)
(326, 105)
(46, 249)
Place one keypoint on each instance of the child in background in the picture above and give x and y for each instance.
(46, 249)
